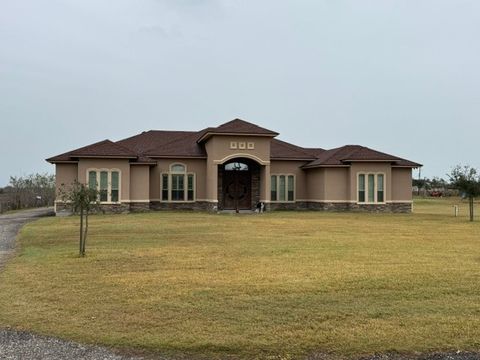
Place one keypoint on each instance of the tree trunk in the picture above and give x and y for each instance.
(85, 233)
(471, 208)
(81, 232)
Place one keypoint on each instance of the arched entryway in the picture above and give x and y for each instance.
(238, 184)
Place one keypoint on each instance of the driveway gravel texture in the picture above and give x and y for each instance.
(20, 345)
(25, 346)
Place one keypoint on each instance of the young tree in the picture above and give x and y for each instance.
(467, 180)
(82, 199)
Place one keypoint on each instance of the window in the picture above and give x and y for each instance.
(92, 179)
(106, 182)
(273, 188)
(361, 188)
(178, 185)
(103, 186)
(115, 188)
(380, 193)
(165, 187)
(190, 190)
(290, 188)
(282, 188)
(371, 188)
(177, 168)
(236, 166)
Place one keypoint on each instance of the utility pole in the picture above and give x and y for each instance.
(419, 180)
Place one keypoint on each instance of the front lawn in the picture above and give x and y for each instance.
(284, 284)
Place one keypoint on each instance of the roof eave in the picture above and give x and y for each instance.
(103, 156)
(176, 157)
(366, 160)
(52, 161)
(324, 166)
(290, 159)
(211, 133)
(413, 166)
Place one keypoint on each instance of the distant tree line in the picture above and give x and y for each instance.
(462, 181)
(435, 186)
(35, 190)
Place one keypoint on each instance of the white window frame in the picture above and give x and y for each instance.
(185, 184)
(277, 180)
(375, 195)
(109, 181)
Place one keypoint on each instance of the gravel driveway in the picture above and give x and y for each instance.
(10, 225)
(26, 346)
(15, 345)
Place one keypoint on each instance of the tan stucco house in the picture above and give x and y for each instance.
(236, 166)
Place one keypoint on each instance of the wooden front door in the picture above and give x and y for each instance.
(237, 190)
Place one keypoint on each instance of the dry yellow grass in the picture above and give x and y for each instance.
(280, 284)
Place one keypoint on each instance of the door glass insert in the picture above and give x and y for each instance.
(236, 166)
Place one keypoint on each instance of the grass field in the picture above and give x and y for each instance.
(278, 285)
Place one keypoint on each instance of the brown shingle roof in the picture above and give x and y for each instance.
(105, 148)
(161, 143)
(60, 158)
(283, 150)
(316, 152)
(351, 153)
(143, 147)
(236, 126)
(178, 145)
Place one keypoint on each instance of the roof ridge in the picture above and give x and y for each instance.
(173, 131)
(226, 123)
(106, 141)
(355, 149)
(152, 131)
(92, 144)
(334, 152)
(124, 147)
(361, 147)
(314, 148)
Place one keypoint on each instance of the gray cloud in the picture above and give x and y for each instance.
(400, 76)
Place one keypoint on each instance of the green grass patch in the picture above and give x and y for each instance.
(283, 284)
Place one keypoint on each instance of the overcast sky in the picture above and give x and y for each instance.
(400, 76)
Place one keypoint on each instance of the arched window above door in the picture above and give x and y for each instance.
(236, 166)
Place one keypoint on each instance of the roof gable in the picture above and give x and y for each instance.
(344, 155)
(233, 127)
(103, 148)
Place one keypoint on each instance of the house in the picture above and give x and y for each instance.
(235, 166)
